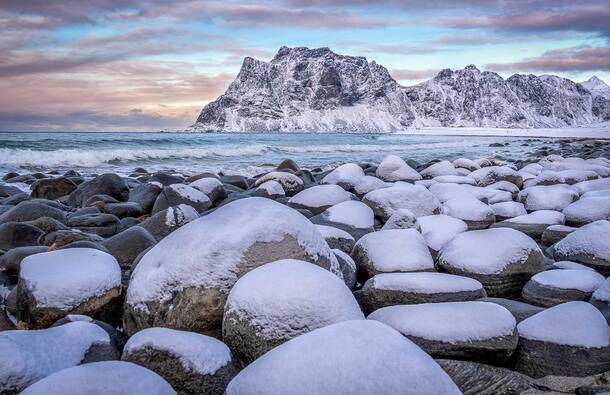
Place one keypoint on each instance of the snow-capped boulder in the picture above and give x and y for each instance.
(211, 187)
(505, 186)
(145, 195)
(455, 179)
(506, 210)
(553, 287)
(593, 185)
(466, 163)
(479, 331)
(31, 210)
(393, 168)
(476, 214)
(389, 251)
(571, 266)
(439, 229)
(358, 356)
(280, 301)
(554, 233)
(127, 245)
(177, 194)
(570, 339)
(271, 189)
(368, 184)
(587, 210)
(165, 222)
(519, 310)
(106, 184)
(442, 168)
(570, 177)
(547, 197)
(347, 176)
(352, 216)
(491, 174)
(416, 198)
(389, 289)
(28, 356)
(348, 268)
(69, 281)
(320, 197)
(446, 191)
(183, 281)
(503, 260)
(587, 245)
(533, 224)
(601, 299)
(401, 219)
(190, 362)
(337, 238)
(290, 183)
(109, 378)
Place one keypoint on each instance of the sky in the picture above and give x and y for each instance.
(126, 65)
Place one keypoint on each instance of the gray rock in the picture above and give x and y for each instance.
(127, 245)
(105, 225)
(587, 245)
(16, 234)
(165, 222)
(145, 195)
(99, 200)
(10, 262)
(52, 188)
(31, 210)
(8, 190)
(177, 194)
(518, 309)
(575, 285)
(63, 237)
(105, 184)
(348, 268)
(16, 199)
(165, 179)
(123, 209)
(554, 233)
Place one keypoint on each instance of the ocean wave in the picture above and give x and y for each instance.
(373, 147)
(93, 158)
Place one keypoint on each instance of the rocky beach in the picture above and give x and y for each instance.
(474, 275)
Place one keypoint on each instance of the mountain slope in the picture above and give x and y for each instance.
(304, 89)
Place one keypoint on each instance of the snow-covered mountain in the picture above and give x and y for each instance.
(597, 87)
(304, 89)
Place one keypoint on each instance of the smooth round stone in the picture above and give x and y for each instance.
(548, 197)
(587, 210)
(115, 377)
(271, 189)
(290, 183)
(337, 238)
(439, 229)
(466, 163)
(601, 299)
(351, 357)
(554, 233)
(442, 168)
(368, 184)
(491, 174)
(393, 168)
(503, 260)
(519, 310)
(280, 301)
(176, 194)
(190, 362)
(402, 219)
(533, 224)
(506, 210)
(320, 197)
(587, 245)
(557, 286)
(455, 179)
(570, 339)
(478, 331)
(415, 198)
(347, 176)
(388, 251)
(475, 213)
(389, 289)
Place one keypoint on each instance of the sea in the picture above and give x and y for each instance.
(236, 153)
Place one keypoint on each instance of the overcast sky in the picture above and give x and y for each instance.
(150, 65)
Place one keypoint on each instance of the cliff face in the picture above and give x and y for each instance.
(304, 89)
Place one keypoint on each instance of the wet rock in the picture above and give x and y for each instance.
(52, 188)
(105, 184)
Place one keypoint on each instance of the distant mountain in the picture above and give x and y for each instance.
(304, 89)
(597, 87)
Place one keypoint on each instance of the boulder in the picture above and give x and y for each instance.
(552, 287)
(52, 188)
(104, 225)
(507, 210)
(105, 184)
(389, 251)
(212, 188)
(10, 262)
(519, 310)
(466, 163)
(533, 224)
(290, 183)
(503, 260)
(601, 299)
(60, 238)
(393, 168)
(165, 179)
(570, 339)
(455, 179)
(549, 197)
(165, 222)
(16, 234)
(442, 168)
(416, 198)
(476, 214)
(492, 174)
(109, 377)
(356, 218)
(554, 233)
(347, 176)
(280, 301)
(389, 289)
(402, 219)
(71, 281)
(177, 194)
(29, 356)
(128, 244)
(337, 238)
(191, 363)
(270, 189)
(439, 229)
(477, 331)
(446, 191)
(351, 357)
(145, 195)
(117, 338)
(183, 282)
(347, 267)
(320, 197)
(587, 210)
(587, 245)
(31, 210)
(123, 209)
(8, 191)
(367, 184)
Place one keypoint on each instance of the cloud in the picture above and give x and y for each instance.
(403, 74)
(563, 60)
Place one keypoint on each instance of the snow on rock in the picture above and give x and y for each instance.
(454, 180)
(550, 177)
(532, 168)
(280, 301)
(74, 280)
(393, 168)
(475, 213)
(587, 245)
(573, 163)
(416, 198)
(596, 194)
(180, 215)
(504, 186)
(492, 174)
(200, 353)
(442, 168)
(350, 357)
(190, 193)
(28, 356)
(203, 259)
(506, 210)
(402, 219)
(571, 265)
(587, 210)
(572, 323)
(439, 229)
(348, 268)
(387, 251)
(547, 197)
(108, 378)
(337, 238)
(176, 194)
(290, 183)
(602, 293)
(352, 213)
(320, 197)
(449, 321)
(582, 280)
(593, 185)
(346, 176)
(368, 184)
(272, 188)
(206, 185)
(466, 163)
(446, 191)
(546, 217)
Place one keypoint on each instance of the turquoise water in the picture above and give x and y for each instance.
(233, 153)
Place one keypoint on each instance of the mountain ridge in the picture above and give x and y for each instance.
(318, 90)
